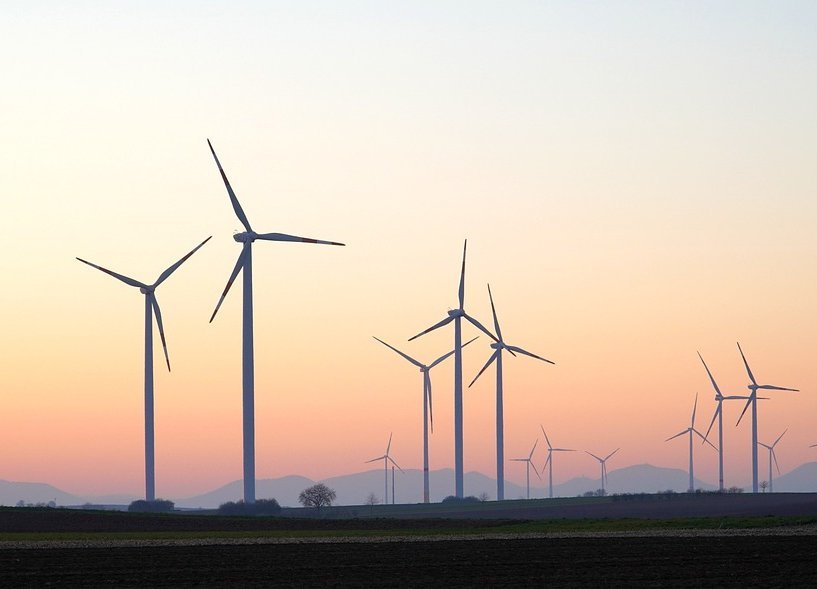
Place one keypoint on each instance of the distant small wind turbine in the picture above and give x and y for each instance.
(428, 413)
(549, 461)
(603, 464)
(456, 315)
(386, 459)
(498, 346)
(753, 386)
(244, 263)
(690, 431)
(529, 461)
(719, 398)
(151, 307)
(773, 456)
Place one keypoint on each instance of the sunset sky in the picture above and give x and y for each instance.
(636, 180)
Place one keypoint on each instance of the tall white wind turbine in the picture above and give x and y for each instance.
(386, 458)
(753, 386)
(690, 431)
(244, 263)
(456, 315)
(603, 465)
(428, 412)
(498, 346)
(151, 307)
(773, 456)
(529, 461)
(549, 461)
(719, 398)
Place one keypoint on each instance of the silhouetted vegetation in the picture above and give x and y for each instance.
(156, 506)
(317, 496)
(260, 507)
(468, 499)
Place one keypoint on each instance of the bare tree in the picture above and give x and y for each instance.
(317, 496)
(483, 497)
(371, 501)
(764, 485)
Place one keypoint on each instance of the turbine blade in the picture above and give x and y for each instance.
(484, 368)
(694, 409)
(233, 199)
(445, 321)
(155, 304)
(611, 454)
(742, 413)
(594, 456)
(546, 462)
(711, 378)
(430, 405)
(480, 326)
(700, 435)
(462, 277)
(163, 276)
(493, 311)
(563, 450)
(745, 363)
(395, 464)
(534, 470)
(546, 436)
(532, 450)
(444, 356)
(285, 237)
(526, 353)
(122, 277)
(714, 416)
(406, 356)
(686, 431)
(779, 437)
(374, 459)
(389, 446)
(774, 388)
(239, 265)
(774, 458)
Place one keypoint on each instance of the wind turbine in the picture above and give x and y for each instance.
(691, 430)
(151, 307)
(244, 263)
(753, 402)
(773, 456)
(530, 463)
(498, 346)
(603, 464)
(719, 415)
(427, 409)
(549, 461)
(456, 315)
(386, 459)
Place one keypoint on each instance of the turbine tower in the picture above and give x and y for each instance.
(753, 386)
(530, 463)
(773, 456)
(498, 346)
(719, 398)
(456, 315)
(691, 430)
(603, 464)
(151, 307)
(244, 263)
(386, 459)
(549, 461)
(428, 413)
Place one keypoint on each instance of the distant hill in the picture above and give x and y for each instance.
(802, 479)
(354, 488)
(11, 492)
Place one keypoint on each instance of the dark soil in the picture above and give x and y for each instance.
(593, 562)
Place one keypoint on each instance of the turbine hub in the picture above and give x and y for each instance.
(497, 345)
(144, 290)
(244, 236)
(455, 313)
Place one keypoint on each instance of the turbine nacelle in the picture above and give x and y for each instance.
(456, 313)
(245, 236)
(147, 289)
